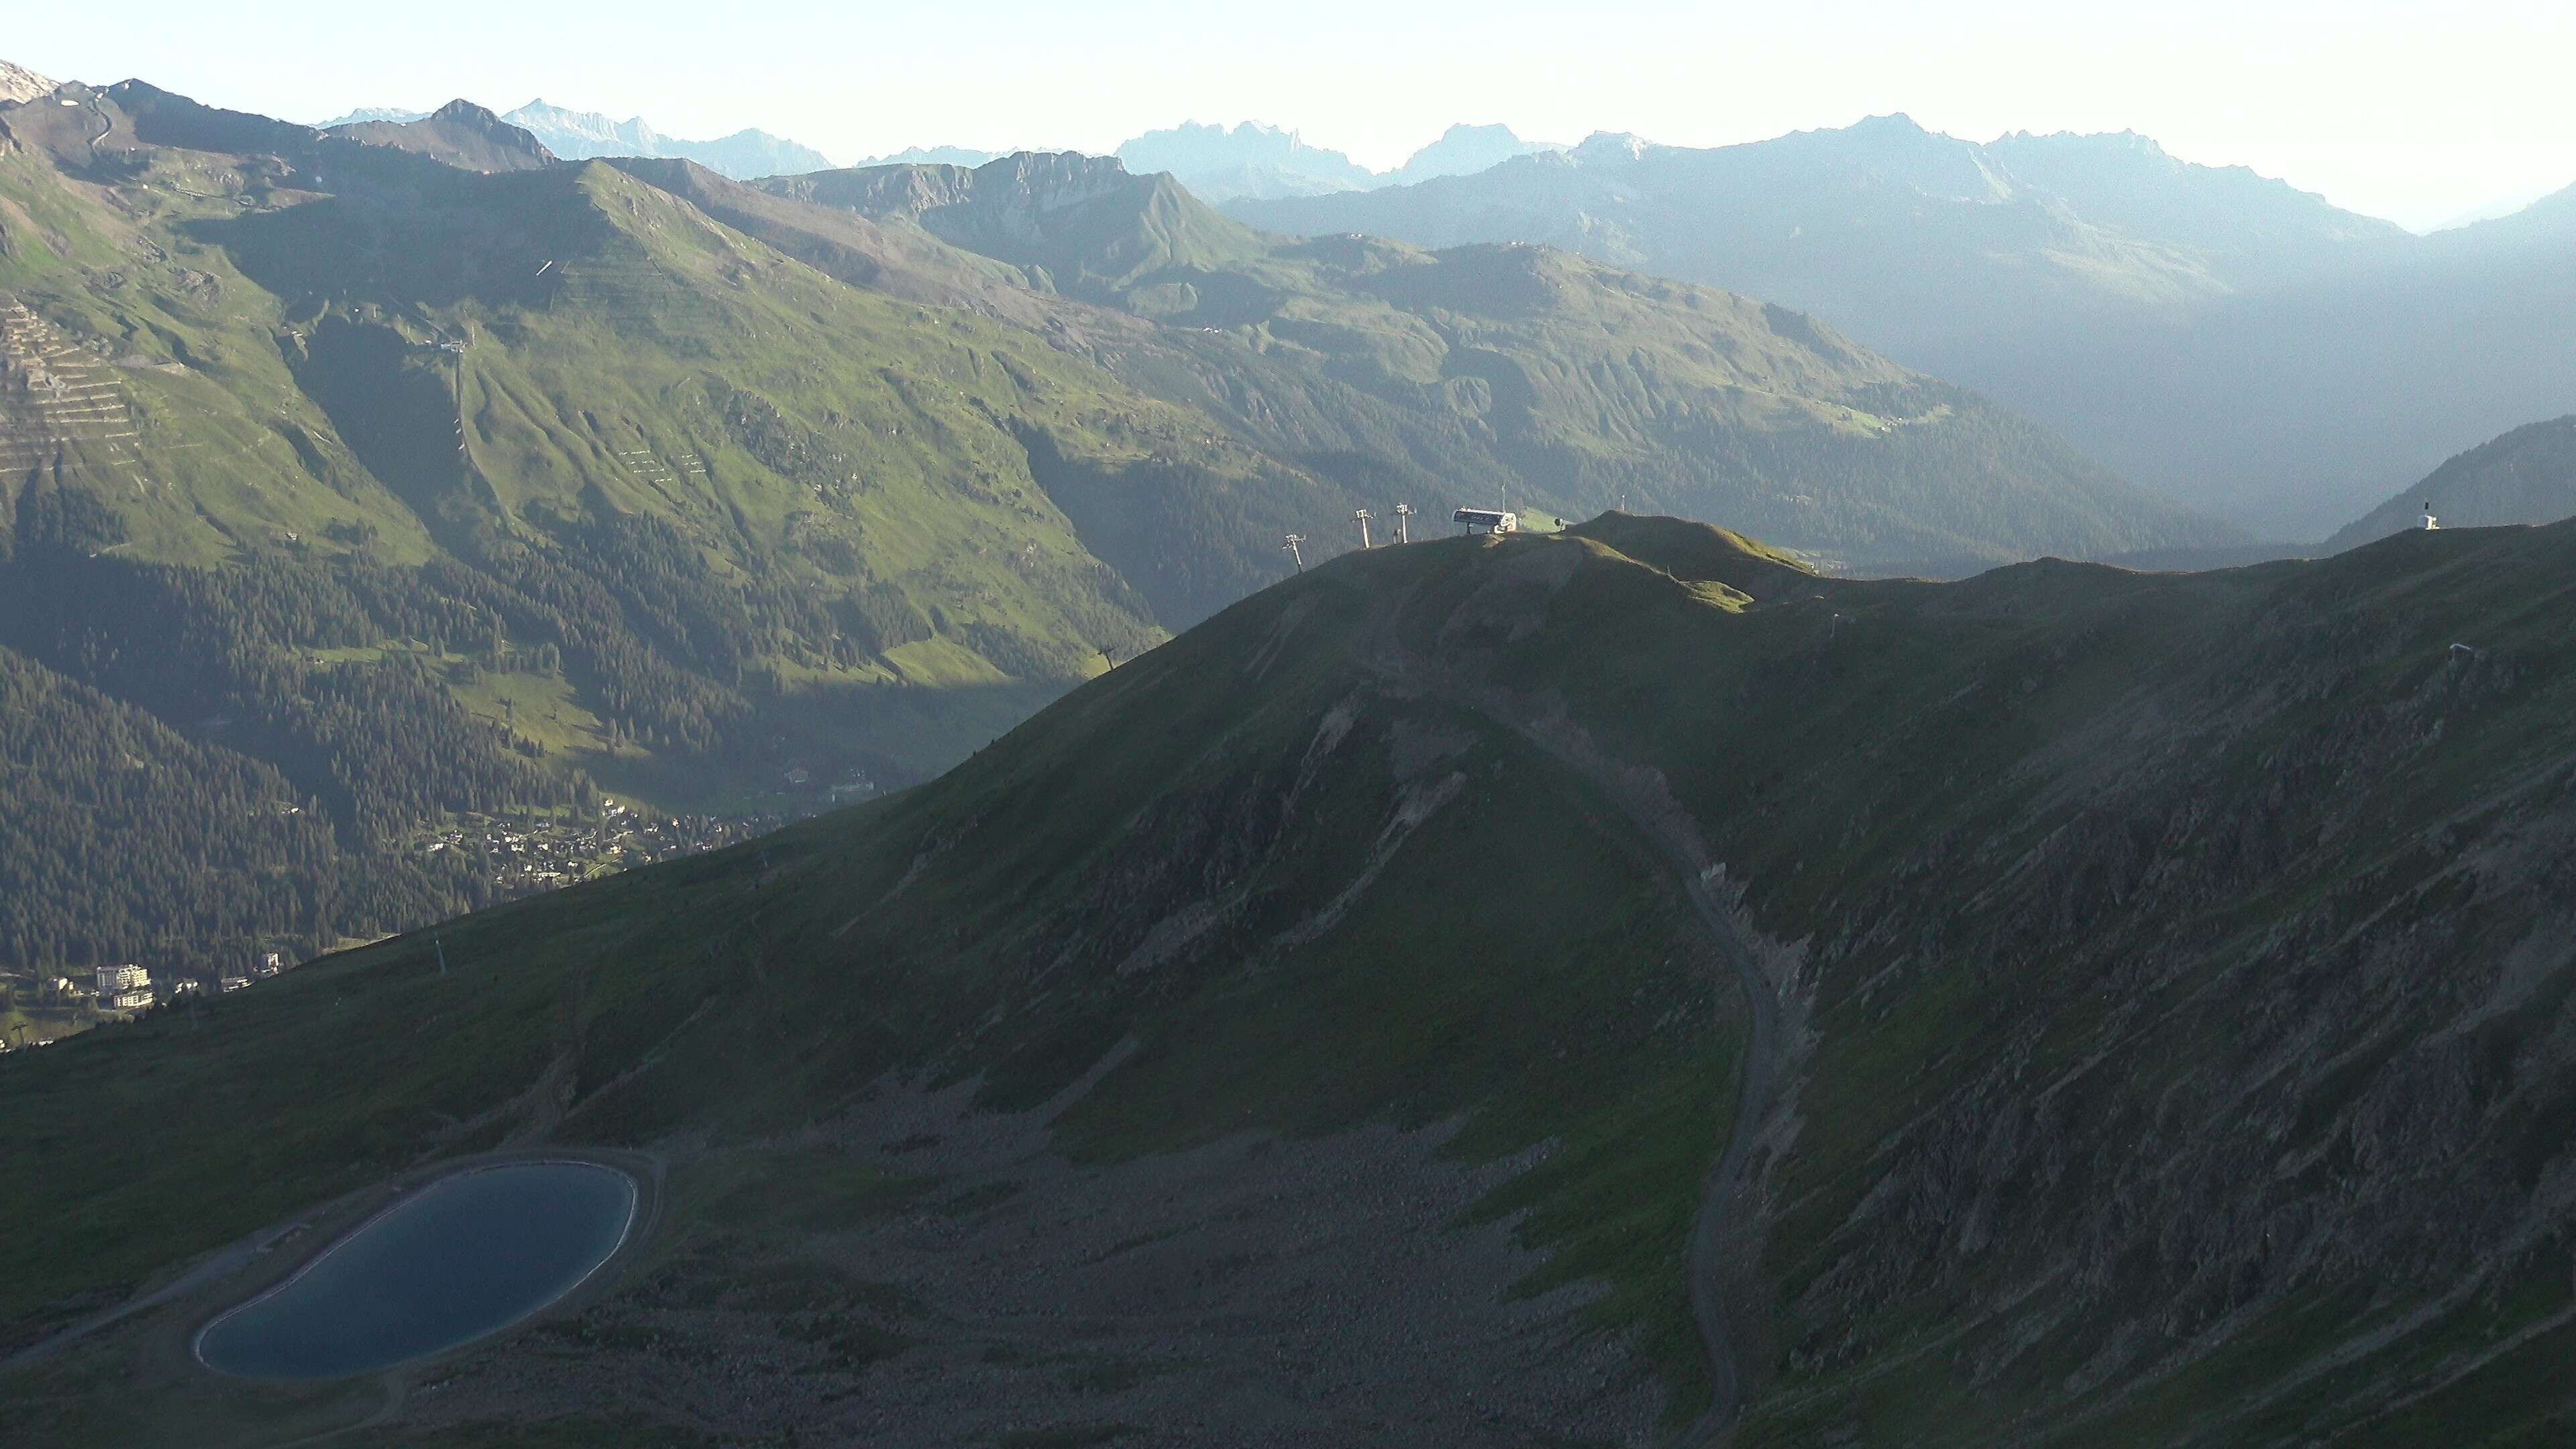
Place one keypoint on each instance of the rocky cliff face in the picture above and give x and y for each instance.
(2193, 1056)
(2251, 1052)
(1008, 196)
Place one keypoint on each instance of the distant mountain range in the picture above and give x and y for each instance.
(1254, 161)
(2242, 344)
(1251, 160)
(581, 135)
(1217, 162)
(934, 156)
(1520, 373)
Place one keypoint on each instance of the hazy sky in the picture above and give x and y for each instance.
(2411, 111)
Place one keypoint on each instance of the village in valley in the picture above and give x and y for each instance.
(519, 857)
(523, 858)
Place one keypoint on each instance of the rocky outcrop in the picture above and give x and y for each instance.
(19, 85)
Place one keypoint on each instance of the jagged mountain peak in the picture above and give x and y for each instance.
(397, 114)
(966, 156)
(634, 133)
(1280, 139)
(2104, 142)
(460, 133)
(1463, 150)
(1892, 123)
(1249, 159)
(1058, 178)
(1612, 148)
(468, 113)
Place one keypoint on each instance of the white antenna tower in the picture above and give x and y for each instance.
(2430, 522)
(1403, 528)
(1361, 517)
(1295, 539)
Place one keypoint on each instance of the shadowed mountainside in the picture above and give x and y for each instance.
(2167, 976)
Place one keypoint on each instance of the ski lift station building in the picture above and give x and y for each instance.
(1487, 520)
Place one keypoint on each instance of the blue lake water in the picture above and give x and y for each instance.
(455, 1260)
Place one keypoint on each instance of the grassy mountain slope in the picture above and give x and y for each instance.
(344, 450)
(2107, 1008)
(2226, 338)
(1484, 371)
(2526, 476)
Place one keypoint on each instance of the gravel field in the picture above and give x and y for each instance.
(1254, 1291)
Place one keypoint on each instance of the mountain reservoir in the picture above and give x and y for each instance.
(469, 1254)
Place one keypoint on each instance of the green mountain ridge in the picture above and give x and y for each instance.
(552, 437)
(631, 481)
(1526, 371)
(2063, 1006)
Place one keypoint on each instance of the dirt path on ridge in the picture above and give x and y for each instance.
(1727, 1297)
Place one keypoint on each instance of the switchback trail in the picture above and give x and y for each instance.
(1727, 1299)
